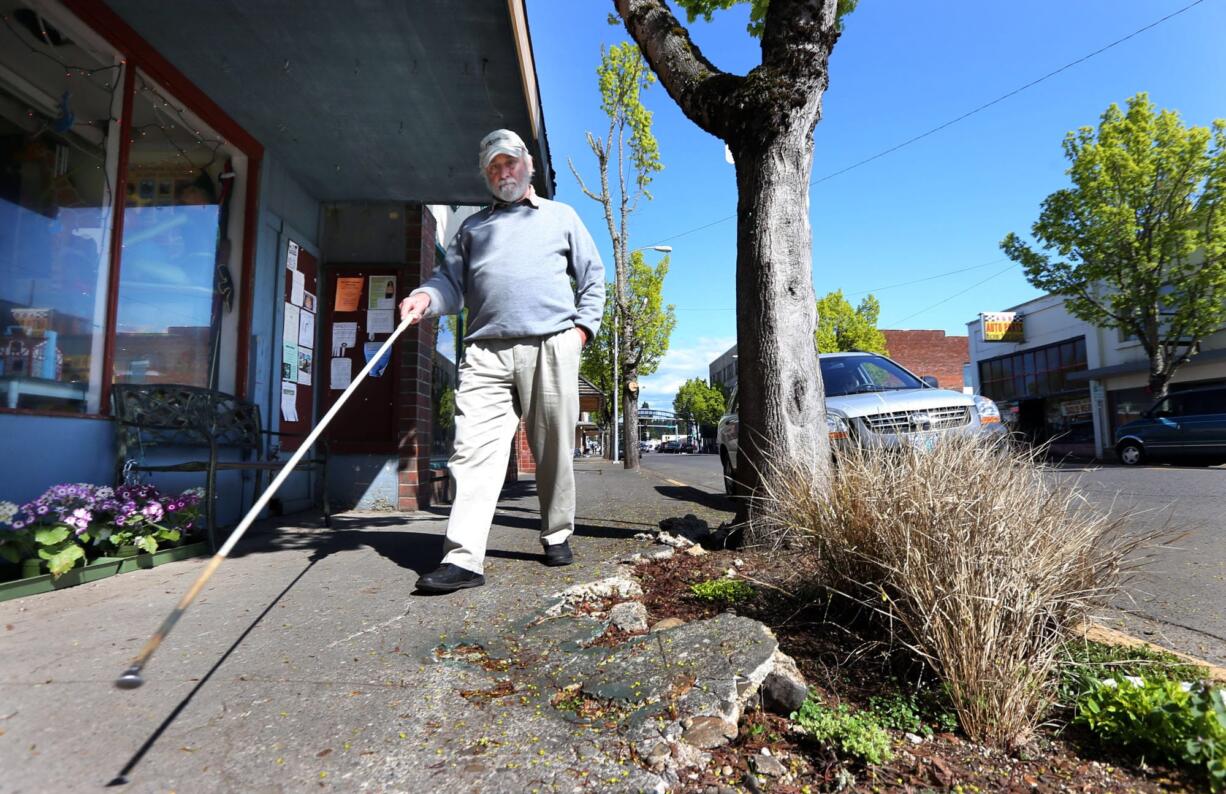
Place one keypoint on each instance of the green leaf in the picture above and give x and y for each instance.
(147, 543)
(49, 536)
(63, 560)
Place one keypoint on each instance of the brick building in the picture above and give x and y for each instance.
(930, 353)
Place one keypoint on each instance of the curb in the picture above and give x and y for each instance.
(1108, 636)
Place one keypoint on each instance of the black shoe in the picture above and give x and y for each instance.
(559, 554)
(447, 578)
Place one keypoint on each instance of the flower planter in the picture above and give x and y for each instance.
(101, 568)
(126, 550)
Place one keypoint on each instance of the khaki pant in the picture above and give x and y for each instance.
(501, 380)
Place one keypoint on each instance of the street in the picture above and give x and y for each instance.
(1177, 601)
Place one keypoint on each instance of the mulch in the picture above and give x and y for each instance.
(846, 660)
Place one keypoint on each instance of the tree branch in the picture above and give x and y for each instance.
(579, 179)
(698, 87)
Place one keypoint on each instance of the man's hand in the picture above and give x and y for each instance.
(414, 307)
(582, 336)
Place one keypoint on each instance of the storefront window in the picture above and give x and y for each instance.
(58, 149)
(177, 195)
(1033, 373)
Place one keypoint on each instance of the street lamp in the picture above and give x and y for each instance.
(617, 322)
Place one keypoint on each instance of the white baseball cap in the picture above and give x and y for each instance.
(501, 142)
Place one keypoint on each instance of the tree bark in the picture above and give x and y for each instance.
(782, 411)
(767, 118)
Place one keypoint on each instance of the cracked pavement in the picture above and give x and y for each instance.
(307, 660)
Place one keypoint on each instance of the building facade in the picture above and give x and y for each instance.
(227, 195)
(1069, 383)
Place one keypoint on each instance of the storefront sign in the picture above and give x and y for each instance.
(1001, 327)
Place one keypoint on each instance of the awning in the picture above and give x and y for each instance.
(383, 100)
(1142, 365)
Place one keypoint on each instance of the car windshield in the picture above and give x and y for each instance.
(859, 374)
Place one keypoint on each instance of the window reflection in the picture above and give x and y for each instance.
(172, 214)
(57, 102)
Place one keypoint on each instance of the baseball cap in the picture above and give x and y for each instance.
(501, 142)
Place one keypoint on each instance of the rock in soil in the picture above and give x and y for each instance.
(784, 689)
(768, 765)
(667, 623)
(709, 732)
(629, 616)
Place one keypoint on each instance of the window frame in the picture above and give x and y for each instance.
(134, 53)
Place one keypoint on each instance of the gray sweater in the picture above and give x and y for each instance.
(512, 266)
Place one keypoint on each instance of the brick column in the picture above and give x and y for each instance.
(416, 357)
(523, 452)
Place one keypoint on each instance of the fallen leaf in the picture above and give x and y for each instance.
(324, 752)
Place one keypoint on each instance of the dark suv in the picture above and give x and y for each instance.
(1181, 425)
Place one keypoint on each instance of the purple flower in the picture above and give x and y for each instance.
(120, 521)
(152, 511)
(19, 525)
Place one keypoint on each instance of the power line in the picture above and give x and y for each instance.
(964, 116)
(951, 297)
(928, 278)
(862, 292)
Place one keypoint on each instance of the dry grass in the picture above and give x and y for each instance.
(985, 563)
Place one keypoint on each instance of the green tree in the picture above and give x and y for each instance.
(1139, 240)
(841, 328)
(766, 117)
(696, 401)
(629, 145)
(641, 353)
(445, 409)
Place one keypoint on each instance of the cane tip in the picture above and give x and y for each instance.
(131, 679)
(121, 780)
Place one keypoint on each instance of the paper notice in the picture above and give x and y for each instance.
(308, 301)
(291, 323)
(289, 401)
(297, 287)
(379, 321)
(344, 336)
(306, 363)
(291, 258)
(289, 364)
(382, 293)
(306, 329)
(342, 373)
(348, 294)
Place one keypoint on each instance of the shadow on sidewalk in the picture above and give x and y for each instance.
(688, 493)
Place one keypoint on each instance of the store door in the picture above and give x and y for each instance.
(1032, 421)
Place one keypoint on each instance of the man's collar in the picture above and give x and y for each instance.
(530, 199)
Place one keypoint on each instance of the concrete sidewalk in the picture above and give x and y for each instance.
(307, 661)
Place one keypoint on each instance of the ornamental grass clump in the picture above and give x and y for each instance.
(985, 562)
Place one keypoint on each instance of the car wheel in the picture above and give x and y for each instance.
(1130, 453)
(729, 475)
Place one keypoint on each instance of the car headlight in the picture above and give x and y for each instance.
(836, 426)
(988, 412)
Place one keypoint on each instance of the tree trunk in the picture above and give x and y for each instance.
(630, 419)
(782, 412)
(1159, 377)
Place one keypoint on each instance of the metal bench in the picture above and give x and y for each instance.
(176, 419)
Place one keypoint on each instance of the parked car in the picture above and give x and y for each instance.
(672, 445)
(1184, 425)
(872, 401)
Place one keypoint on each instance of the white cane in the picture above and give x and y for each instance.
(131, 678)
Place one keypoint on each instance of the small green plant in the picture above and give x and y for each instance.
(1085, 663)
(728, 591)
(1162, 719)
(858, 734)
(898, 711)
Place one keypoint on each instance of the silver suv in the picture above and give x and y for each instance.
(872, 401)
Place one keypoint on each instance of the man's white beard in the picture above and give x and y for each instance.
(510, 189)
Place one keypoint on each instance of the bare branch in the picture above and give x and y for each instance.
(579, 179)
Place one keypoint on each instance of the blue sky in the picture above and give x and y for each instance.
(900, 69)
